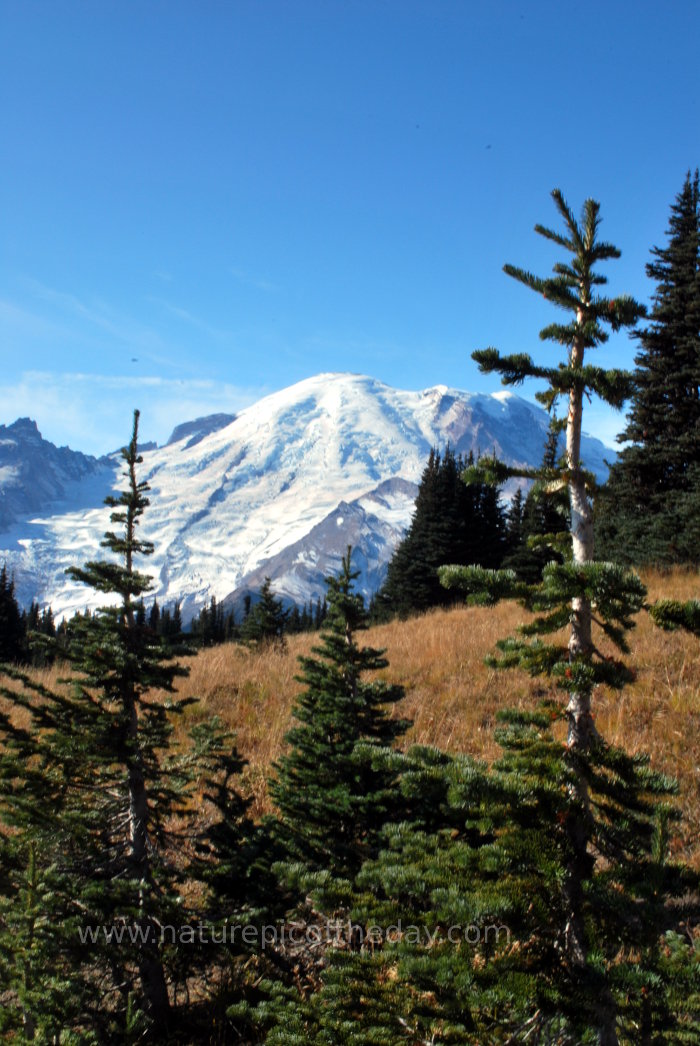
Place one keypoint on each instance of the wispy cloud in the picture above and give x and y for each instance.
(187, 317)
(97, 315)
(92, 413)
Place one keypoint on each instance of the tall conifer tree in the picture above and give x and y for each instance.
(650, 510)
(11, 628)
(451, 522)
(544, 524)
(606, 802)
(335, 790)
(89, 788)
(123, 664)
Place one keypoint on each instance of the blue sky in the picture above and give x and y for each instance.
(207, 201)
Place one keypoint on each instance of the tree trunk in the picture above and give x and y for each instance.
(581, 730)
(580, 644)
(151, 973)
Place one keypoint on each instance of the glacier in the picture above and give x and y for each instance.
(281, 489)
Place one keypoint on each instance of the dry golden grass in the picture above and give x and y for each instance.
(453, 698)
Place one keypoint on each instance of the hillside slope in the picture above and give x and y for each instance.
(453, 698)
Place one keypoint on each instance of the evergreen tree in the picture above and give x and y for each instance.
(485, 541)
(589, 839)
(176, 622)
(90, 789)
(320, 613)
(405, 981)
(154, 618)
(39, 632)
(219, 844)
(334, 790)
(650, 510)
(124, 664)
(217, 627)
(466, 904)
(165, 625)
(43, 983)
(573, 289)
(212, 625)
(411, 583)
(294, 621)
(266, 621)
(11, 628)
(544, 524)
(332, 803)
(515, 535)
(452, 522)
(231, 866)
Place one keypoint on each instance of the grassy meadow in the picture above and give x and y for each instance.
(453, 698)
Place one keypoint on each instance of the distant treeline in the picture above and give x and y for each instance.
(32, 637)
(264, 619)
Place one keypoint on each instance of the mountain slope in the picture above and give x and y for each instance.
(281, 489)
(34, 473)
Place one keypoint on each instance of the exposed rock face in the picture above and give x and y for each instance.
(34, 473)
(195, 431)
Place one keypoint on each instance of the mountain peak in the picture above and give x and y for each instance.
(33, 472)
(235, 498)
(26, 427)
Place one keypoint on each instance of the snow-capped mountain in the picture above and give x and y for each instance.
(33, 472)
(281, 489)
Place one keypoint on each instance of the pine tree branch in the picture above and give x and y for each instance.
(494, 472)
(576, 245)
(536, 283)
(671, 614)
(513, 369)
(482, 587)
